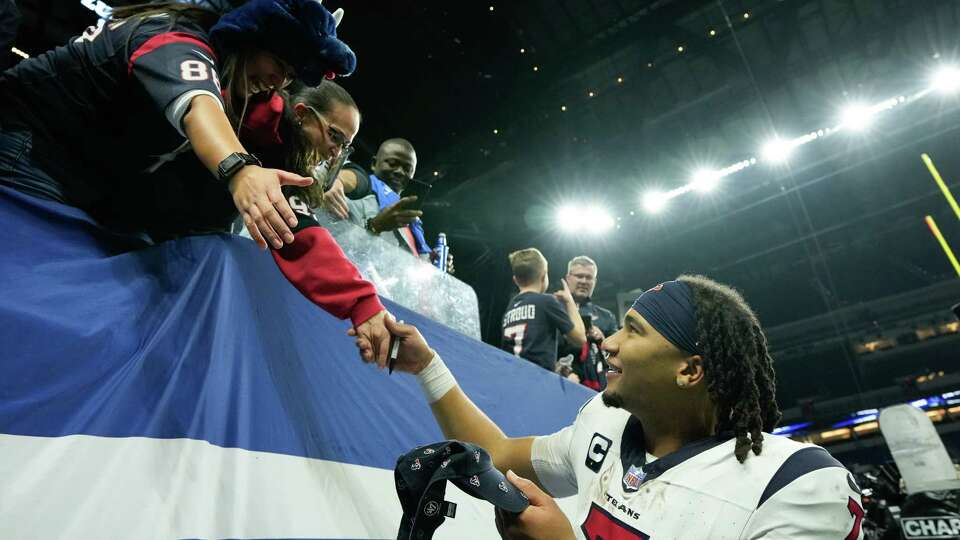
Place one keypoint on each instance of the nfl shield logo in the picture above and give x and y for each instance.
(633, 478)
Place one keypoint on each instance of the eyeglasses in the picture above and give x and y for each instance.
(335, 134)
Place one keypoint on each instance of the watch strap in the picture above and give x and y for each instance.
(232, 164)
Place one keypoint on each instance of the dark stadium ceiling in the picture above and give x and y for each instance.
(510, 142)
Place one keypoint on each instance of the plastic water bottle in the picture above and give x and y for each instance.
(442, 251)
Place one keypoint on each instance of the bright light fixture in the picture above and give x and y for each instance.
(777, 150)
(705, 180)
(946, 80)
(654, 201)
(567, 218)
(597, 219)
(591, 219)
(856, 117)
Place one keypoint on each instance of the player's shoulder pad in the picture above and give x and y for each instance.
(803, 461)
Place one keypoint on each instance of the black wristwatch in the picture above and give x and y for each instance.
(232, 164)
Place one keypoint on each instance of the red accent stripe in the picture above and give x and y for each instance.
(167, 38)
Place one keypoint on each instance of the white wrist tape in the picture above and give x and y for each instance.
(435, 379)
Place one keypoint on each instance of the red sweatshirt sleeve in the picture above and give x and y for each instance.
(318, 268)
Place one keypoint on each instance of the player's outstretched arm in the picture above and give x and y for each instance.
(459, 418)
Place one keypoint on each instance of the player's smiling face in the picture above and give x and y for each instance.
(643, 365)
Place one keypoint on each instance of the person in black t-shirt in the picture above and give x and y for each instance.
(532, 319)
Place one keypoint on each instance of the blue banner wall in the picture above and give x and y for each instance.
(202, 339)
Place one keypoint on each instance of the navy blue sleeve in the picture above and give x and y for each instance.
(363, 188)
(556, 315)
(169, 62)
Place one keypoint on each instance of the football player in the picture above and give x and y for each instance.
(677, 446)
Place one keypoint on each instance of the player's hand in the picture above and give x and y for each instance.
(542, 520)
(373, 338)
(264, 209)
(396, 215)
(596, 335)
(563, 295)
(335, 201)
(414, 353)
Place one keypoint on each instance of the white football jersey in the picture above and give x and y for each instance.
(791, 490)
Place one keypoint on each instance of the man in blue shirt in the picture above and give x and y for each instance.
(372, 200)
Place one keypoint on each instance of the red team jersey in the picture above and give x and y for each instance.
(790, 491)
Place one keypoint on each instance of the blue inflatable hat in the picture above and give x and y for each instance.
(300, 32)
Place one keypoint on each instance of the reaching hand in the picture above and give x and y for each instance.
(542, 520)
(396, 215)
(335, 201)
(563, 295)
(375, 337)
(264, 209)
(414, 353)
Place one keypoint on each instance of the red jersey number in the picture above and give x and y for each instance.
(856, 511)
(600, 525)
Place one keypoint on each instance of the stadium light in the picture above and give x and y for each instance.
(591, 219)
(856, 117)
(777, 150)
(654, 201)
(597, 220)
(567, 218)
(946, 80)
(705, 180)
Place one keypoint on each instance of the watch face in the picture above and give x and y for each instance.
(230, 165)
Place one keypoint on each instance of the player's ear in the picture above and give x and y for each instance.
(515, 282)
(692, 372)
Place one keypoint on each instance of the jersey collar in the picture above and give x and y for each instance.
(633, 453)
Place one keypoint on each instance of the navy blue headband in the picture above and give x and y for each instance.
(668, 308)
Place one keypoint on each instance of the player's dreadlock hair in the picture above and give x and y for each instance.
(738, 368)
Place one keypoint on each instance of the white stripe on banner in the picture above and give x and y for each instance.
(97, 487)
